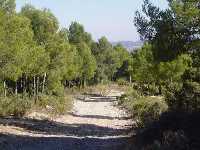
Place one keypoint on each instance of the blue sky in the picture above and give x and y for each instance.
(110, 18)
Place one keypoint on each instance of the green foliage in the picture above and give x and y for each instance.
(173, 34)
(88, 61)
(8, 6)
(147, 89)
(186, 99)
(78, 35)
(145, 109)
(154, 78)
(44, 23)
(148, 109)
(162, 30)
(15, 106)
(142, 66)
(110, 60)
(17, 42)
(58, 105)
(122, 82)
(173, 71)
(35, 57)
(130, 96)
(176, 61)
(54, 84)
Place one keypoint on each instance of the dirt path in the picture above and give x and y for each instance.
(94, 124)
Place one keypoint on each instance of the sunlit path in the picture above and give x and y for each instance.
(93, 124)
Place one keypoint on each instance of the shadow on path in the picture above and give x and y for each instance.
(100, 117)
(56, 128)
(97, 99)
(78, 139)
(12, 142)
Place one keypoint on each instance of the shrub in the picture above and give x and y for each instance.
(58, 105)
(14, 106)
(148, 109)
(145, 109)
(147, 89)
(122, 82)
(186, 99)
(129, 97)
(18, 106)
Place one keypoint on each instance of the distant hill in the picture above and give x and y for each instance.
(130, 45)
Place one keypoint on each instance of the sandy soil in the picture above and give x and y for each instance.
(94, 123)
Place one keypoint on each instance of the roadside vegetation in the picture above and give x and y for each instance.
(165, 95)
(41, 63)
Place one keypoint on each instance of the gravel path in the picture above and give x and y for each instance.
(93, 124)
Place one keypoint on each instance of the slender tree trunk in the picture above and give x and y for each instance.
(84, 83)
(5, 90)
(81, 83)
(22, 86)
(21, 83)
(34, 86)
(130, 79)
(43, 83)
(25, 84)
(37, 86)
(16, 90)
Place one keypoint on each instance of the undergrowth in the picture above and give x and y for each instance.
(19, 105)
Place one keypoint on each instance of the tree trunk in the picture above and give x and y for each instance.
(81, 83)
(5, 91)
(37, 85)
(130, 79)
(22, 86)
(43, 83)
(21, 83)
(16, 90)
(25, 84)
(84, 83)
(34, 87)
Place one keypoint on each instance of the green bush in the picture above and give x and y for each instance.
(147, 89)
(127, 98)
(122, 82)
(148, 109)
(145, 109)
(14, 106)
(18, 106)
(58, 105)
(186, 99)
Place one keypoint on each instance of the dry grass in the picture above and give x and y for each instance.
(104, 89)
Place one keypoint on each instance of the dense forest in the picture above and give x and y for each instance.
(39, 59)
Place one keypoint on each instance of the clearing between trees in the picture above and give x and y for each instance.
(93, 123)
